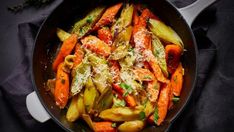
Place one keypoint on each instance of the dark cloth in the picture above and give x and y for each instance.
(18, 85)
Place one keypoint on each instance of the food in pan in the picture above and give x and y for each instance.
(118, 69)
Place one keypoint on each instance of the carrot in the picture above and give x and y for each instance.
(104, 126)
(65, 50)
(171, 96)
(108, 16)
(173, 53)
(115, 70)
(105, 35)
(61, 91)
(153, 88)
(177, 80)
(143, 74)
(128, 98)
(162, 104)
(96, 45)
(79, 53)
(135, 16)
(155, 67)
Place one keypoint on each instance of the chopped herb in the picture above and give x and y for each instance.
(113, 125)
(175, 79)
(142, 115)
(118, 102)
(175, 100)
(147, 77)
(156, 115)
(128, 89)
(63, 81)
(89, 20)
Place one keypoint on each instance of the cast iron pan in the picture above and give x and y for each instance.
(64, 17)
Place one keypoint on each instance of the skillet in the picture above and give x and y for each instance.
(42, 106)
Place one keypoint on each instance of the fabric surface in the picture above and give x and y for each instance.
(18, 85)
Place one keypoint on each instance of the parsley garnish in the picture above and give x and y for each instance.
(156, 115)
(113, 125)
(142, 115)
(128, 89)
(89, 19)
(175, 100)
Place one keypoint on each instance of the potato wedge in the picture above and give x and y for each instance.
(121, 114)
(73, 112)
(131, 126)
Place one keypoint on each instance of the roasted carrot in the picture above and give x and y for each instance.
(65, 50)
(162, 105)
(143, 74)
(108, 16)
(61, 91)
(155, 67)
(170, 105)
(177, 80)
(173, 53)
(128, 98)
(104, 126)
(105, 35)
(79, 53)
(115, 70)
(153, 88)
(96, 45)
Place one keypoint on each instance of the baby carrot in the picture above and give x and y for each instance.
(105, 35)
(173, 53)
(65, 50)
(108, 16)
(61, 91)
(177, 80)
(104, 126)
(79, 53)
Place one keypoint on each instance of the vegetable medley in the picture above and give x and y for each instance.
(118, 69)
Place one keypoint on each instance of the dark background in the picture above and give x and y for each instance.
(217, 109)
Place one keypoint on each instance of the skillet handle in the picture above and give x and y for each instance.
(35, 108)
(190, 12)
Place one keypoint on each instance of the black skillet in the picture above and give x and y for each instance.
(64, 17)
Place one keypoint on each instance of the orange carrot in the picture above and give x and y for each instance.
(104, 126)
(173, 53)
(105, 35)
(170, 105)
(96, 45)
(61, 91)
(177, 80)
(153, 88)
(162, 104)
(108, 16)
(65, 50)
(135, 16)
(115, 70)
(155, 67)
(79, 53)
(143, 74)
(128, 98)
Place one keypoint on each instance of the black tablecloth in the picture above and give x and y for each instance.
(210, 108)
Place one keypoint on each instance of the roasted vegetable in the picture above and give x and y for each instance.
(88, 120)
(115, 70)
(90, 95)
(143, 74)
(62, 35)
(121, 114)
(108, 16)
(155, 67)
(85, 25)
(104, 127)
(124, 20)
(105, 35)
(121, 44)
(96, 45)
(149, 108)
(177, 80)
(68, 63)
(173, 53)
(82, 72)
(79, 55)
(165, 32)
(65, 50)
(102, 77)
(153, 88)
(62, 84)
(104, 101)
(131, 126)
(159, 52)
